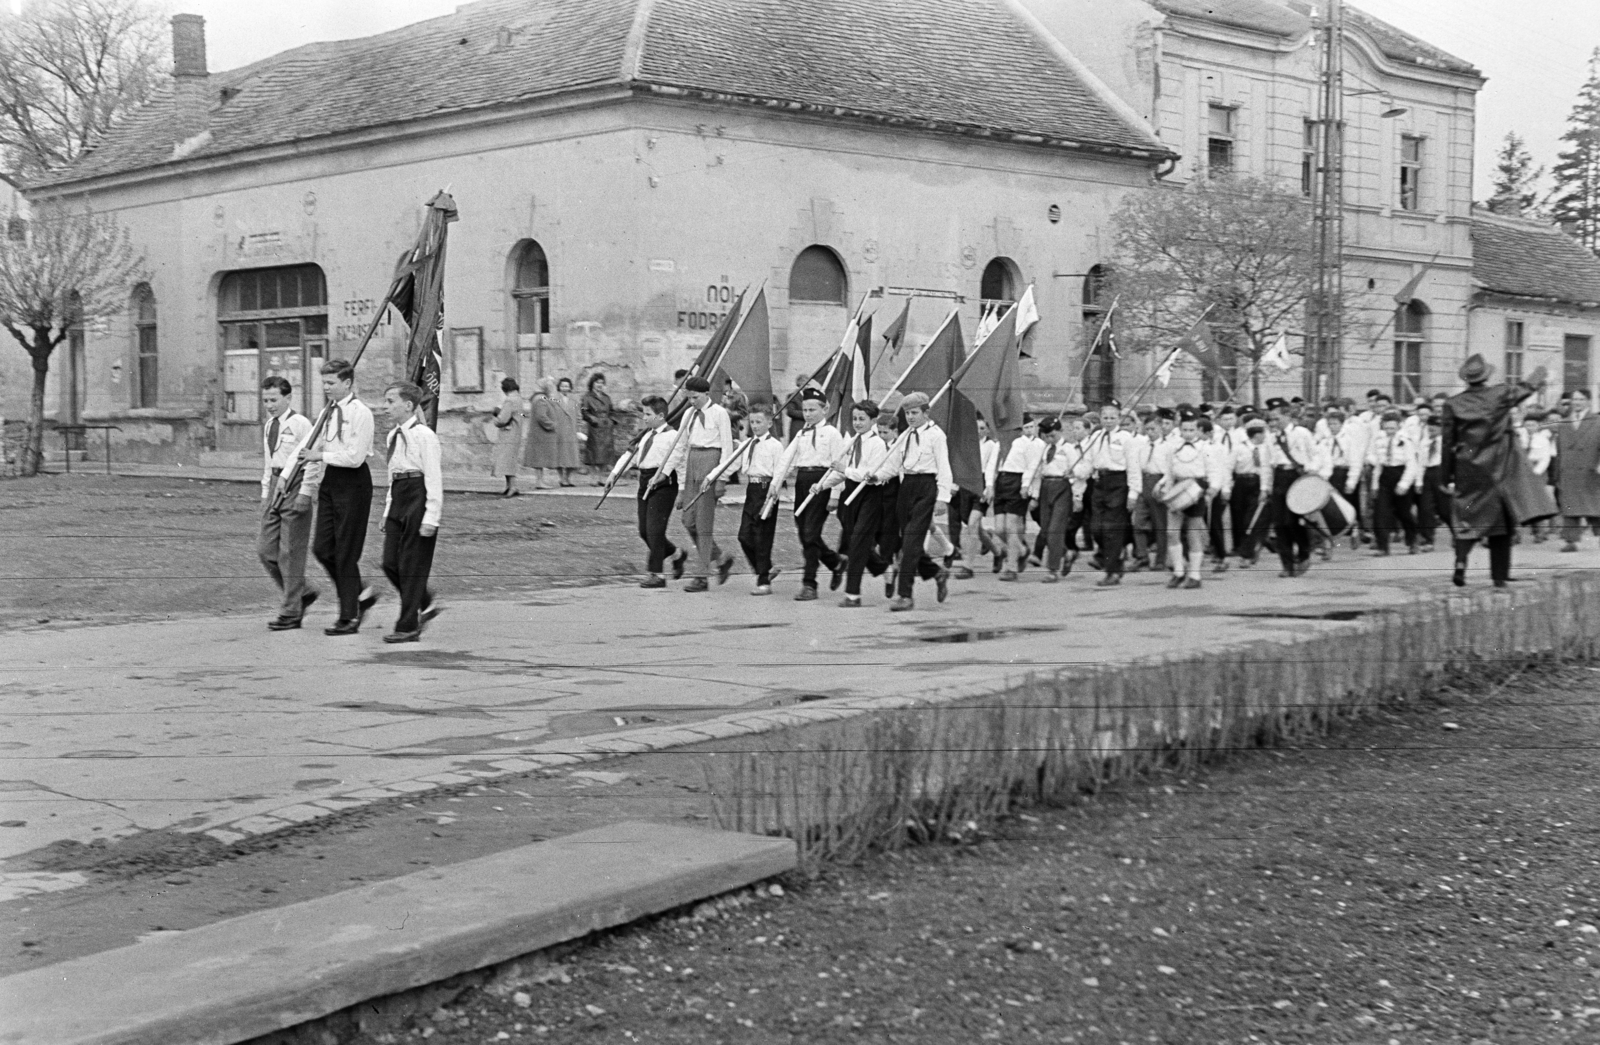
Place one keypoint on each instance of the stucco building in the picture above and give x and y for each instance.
(622, 168)
(1231, 85)
(1535, 301)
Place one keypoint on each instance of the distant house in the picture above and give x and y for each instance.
(1535, 300)
(623, 169)
(1231, 85)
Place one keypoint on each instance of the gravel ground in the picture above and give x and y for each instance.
(95, 548)
(1428, 876)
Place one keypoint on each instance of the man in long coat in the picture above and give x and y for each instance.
(1492, 486)
(1578, 450)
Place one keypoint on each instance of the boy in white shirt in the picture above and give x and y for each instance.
(657, 494)
(411, 511)
(344, 493)
(1186, 462)
(860, 519)
(1012, 483)
(1395, 473)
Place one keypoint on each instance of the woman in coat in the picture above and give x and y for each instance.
(542, 452)
(511, 419)
(1578, 451)
(1492, 486)
(566, 416)
(600, 452)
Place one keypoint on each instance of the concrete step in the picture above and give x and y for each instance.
(238, 979)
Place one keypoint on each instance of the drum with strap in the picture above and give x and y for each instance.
(1314, 499)
(1182, 495)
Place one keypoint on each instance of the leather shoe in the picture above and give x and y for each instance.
(1009, 575)
(900, 604)
(850, 602)
(838, 573)
(343, 627)
(654, 582)
(941, 583)
(677, 564)
(430, 611)
(368, 600)
(1191, 583)
(307, 599)
(963, 573)
(1110, 580)
(697, 584)
(403, 636)
(1175, 581)
(283, 624)
(724, 568)
(807, 593)
(1458, 576)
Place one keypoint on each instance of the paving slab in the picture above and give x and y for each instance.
(237, 979)
(216, 724)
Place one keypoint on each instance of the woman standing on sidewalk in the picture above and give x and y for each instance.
(1490, 481)
(566, 418)
(511, 419)
(541, 454)
(600, 418)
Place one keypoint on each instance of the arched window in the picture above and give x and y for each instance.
(148, 381)
(1410, 330)
(1100, 375)
(530, 291)
(999, 283)
(818, 277)
(274, 323)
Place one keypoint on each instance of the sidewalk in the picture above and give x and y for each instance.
(215, 725)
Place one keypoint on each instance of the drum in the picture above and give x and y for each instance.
(1314, 499)
(1182, 495)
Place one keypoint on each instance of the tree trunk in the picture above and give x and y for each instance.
(33, 443)
(1255, 380)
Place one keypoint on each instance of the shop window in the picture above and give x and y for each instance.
(818, 277)
(272, 322)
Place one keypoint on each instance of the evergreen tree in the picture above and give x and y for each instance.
(1516, 179)
(1576, 199)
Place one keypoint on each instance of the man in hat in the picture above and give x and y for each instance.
(1491, 483)
(704, 439)
(1578, 451)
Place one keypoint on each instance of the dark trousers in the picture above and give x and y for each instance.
(407, 555)
(1294, 539)
(1055, 514)
(1217, 529)
(344, 504)
(810, 524)
(1150, 523)
(1111, 519)
(1392, 511)
(1499, 555)
(889, 521)
(962, 504)
(655, 509)
(756, 533)
(1242, 511)
(860, 523)
(1433, 504)
(919, 496)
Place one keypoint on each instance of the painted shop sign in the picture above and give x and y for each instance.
(705, 308)
(357, 314)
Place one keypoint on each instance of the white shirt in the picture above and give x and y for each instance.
(1187, 461)
(347, 437)
(1395, 451)
(655, 448)
(989, 452)
(1344, 450)
(815, 446)
(1252, 459)
(414, 447)
(704, 428)
(1541, 449)
(1067, 462)
(1112, 452)
(293, 427)
(921, 451)
(863, 454)
(1024, 457)
(1293, 448)
(765, 453)
(1429, 441)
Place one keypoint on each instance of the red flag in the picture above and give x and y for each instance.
(991, 379)
(748, 360)
(894, 334)
(417, 293)
(705, 361)
(861, 380)
(1201, 345)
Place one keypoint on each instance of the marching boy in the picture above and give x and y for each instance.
(756, 533)
(411, 511)
(656, 497)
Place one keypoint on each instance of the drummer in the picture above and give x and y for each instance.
(1340, 455)
(1293, 454)
(1188, 473)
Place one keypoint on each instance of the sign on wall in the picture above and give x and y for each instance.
(466, 359)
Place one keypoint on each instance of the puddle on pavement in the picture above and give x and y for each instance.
(1326, 615)
(987, 634)
(458, 660)
(745, 627)
(401, 709)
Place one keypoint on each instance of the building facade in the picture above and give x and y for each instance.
(622, 170)
(1232, 86)
(1535, 302)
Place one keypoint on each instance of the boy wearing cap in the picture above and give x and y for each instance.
(756, 533)
(807, 459)
(1012, 483)
(1340, 457)
(657, 495)
(1059, 496)
(1394, 463)
(704, 440)
(859, 518)
(1187, 461)
(920, 459)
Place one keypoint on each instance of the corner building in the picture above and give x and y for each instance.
(623, 168)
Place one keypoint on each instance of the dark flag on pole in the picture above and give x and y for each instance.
(417, 293)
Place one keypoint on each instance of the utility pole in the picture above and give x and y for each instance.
(1325, 352)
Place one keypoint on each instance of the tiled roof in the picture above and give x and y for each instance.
(962, 65)
(1403, 47)
(1262, 16)
(1530, 259)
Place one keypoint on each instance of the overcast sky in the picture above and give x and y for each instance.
(1534, 52)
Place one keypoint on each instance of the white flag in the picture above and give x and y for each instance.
(1278, 354)
(986, 324)
(1027, 313)
(1164, 372)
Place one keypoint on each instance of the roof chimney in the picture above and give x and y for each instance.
(190, 80)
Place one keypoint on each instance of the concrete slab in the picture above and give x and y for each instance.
(234, 980)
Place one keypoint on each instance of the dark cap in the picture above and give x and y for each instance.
(697, 384)
(1166, 413)
(813, 395)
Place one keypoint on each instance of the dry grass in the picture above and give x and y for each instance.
(902, 777)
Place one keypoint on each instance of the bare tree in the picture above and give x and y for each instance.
(1239, 251)
(69, 71)
(70, 268)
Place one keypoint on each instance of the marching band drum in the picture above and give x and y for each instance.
(1314, 499)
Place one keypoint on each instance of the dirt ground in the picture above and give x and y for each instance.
(1429, 876)
(97, 548)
